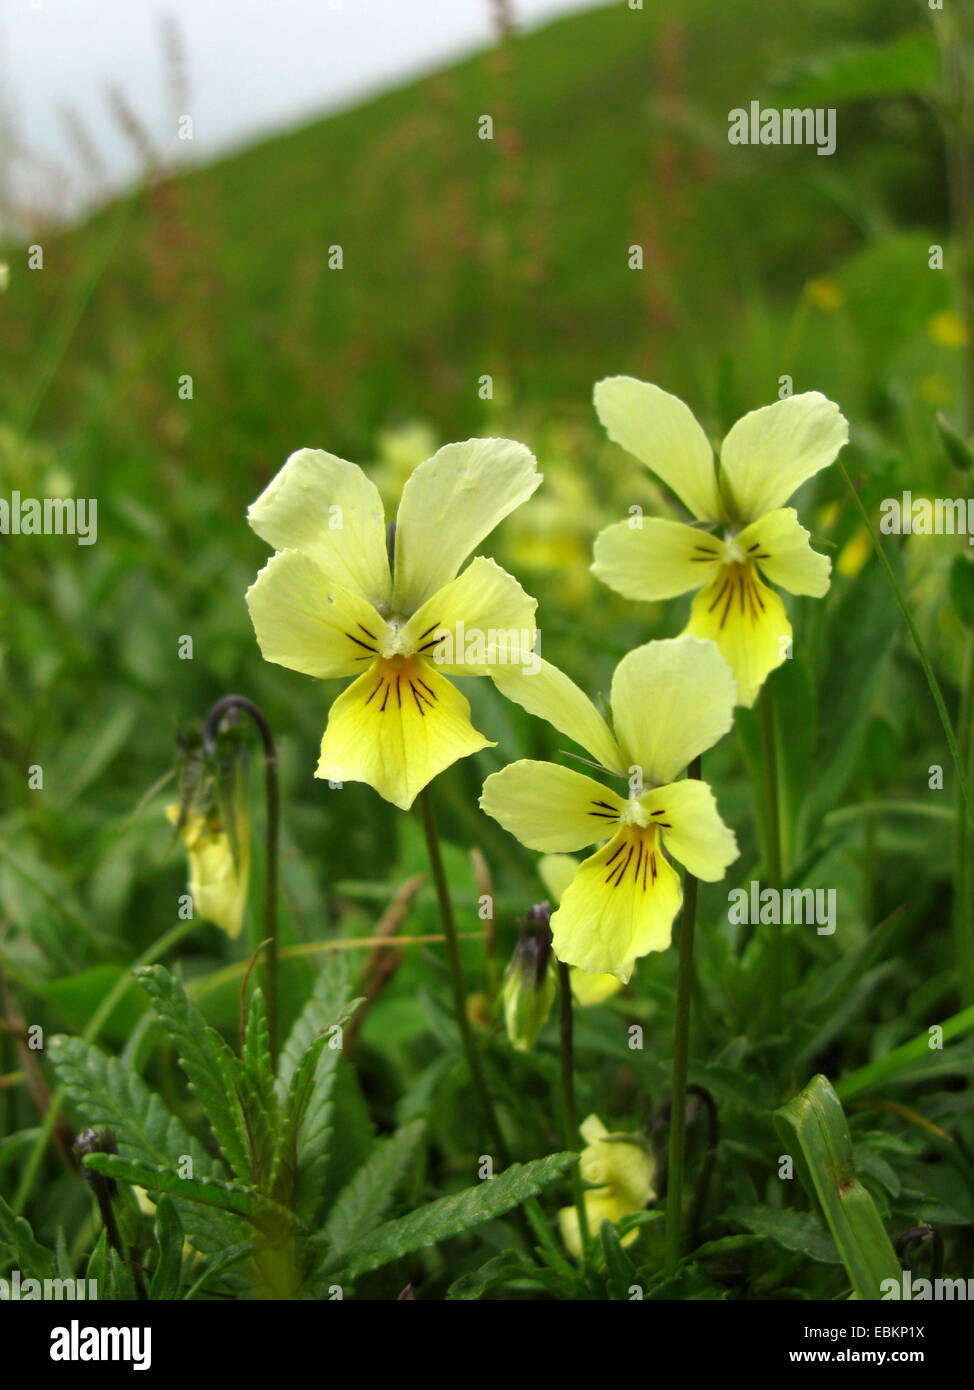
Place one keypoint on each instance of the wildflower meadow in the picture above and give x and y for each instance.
(487, 657)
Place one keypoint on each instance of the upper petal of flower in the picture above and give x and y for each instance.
(661, 431)
(771, 451)
(780, 546)
(327, 508)
(449, 504)
(488, 618)
(550, 694)
(307, 622)
(396, 728)
(657, 560)
(693, 832)
(747, 620)
(670, 701)
(551, 808)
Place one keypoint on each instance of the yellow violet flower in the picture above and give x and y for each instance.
(670, 700)
(557, 872)
(624, 1172)
(217, 884)
(329, 603)
(764, 458)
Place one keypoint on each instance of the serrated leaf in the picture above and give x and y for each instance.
(799, 1231)
(508, 1268)
(106, 1095)
(362, 1203)
(205, 1058)
(453, 1215)
(209, 1192)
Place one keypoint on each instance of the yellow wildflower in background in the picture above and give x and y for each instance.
(328, 603)
(765, 457)
(217, 883)
(624, 1173)
(670, 701)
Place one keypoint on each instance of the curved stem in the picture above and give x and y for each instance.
(681, 1061)
(566, 1026)
(227, 705)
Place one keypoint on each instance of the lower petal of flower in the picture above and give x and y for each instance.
(748, 623)
(619, 906)
(396, 728)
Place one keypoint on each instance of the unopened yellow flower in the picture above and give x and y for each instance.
(764, 458)
(328, 603)
(217, 883)
(624, 1173)
(670, 701)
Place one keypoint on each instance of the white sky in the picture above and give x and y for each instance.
(253, 66)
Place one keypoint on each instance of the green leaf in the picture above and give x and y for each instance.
(362, 1203)
(105, 1095)
(453, 1215)
(620, 1270)
(506, 1269)
(800, 1231)
(209, 1192)
(168, 1229)
(906, 65)
(33, 1260)
(962, 589)
(207, 1061)
(955, 446)
(815, 1122)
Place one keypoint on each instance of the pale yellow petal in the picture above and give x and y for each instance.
(589, 990)
(550, 808)
(307, 622)
(747, 620)
(661, 431)
(658, 560)
(671, 700)
(451, 502)
(693, 832)
(549, 694)
(556, 872)
(396, 728)
(772, 451)
(781, 547)
(327, 508)
(619, 906)
(478, 621)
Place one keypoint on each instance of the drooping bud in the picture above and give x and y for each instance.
(529, 986)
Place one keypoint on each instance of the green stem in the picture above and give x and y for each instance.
(456, 978)
(963, 925)
(681, 1060)
(938, 699)
(534, 1213)
(772, 855)
(566, 1025)
(228, 704)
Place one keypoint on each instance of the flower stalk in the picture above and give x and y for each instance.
(566, 1029)
(230, 704)
(681, 1058)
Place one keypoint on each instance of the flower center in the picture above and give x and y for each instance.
(634, 858)
(399, 680)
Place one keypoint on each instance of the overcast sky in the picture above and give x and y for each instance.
(252, 66)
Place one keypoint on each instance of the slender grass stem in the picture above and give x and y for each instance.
(681, 1059)
(223, 707)
(963, 924)
(566, 1027)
